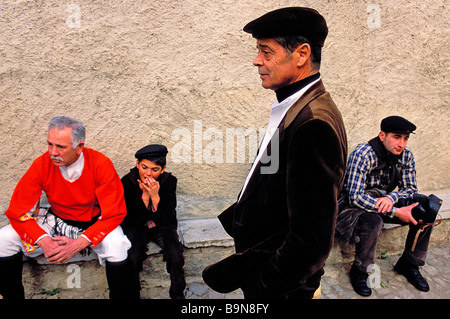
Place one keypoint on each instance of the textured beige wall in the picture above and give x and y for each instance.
(138, 72)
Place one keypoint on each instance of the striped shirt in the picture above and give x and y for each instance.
(358, 177)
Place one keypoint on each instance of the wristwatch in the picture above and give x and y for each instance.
(392, 213)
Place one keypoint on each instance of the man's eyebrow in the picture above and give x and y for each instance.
(265, 47)
(57, 145)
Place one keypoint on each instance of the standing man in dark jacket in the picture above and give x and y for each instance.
(150, 196)
(283, 222)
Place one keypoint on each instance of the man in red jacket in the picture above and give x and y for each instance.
(87, 205)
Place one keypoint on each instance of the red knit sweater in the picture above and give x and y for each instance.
(97, 191)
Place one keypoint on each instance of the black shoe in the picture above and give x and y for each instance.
(412, 274)
(358, 280)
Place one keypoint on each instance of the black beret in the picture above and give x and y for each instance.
(397, 124)
(153, 150)
(305, 22)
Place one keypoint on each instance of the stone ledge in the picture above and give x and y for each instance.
(195, 233)
(208, 232)
(204, 232)
(206, 242)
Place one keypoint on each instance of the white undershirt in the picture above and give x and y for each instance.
(279, 110)
(72, 172)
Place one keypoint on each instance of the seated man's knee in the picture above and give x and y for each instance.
(114, 247)
(9, 241)
(370, 222)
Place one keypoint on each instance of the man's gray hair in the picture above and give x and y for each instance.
(290, 43)
(78, 129)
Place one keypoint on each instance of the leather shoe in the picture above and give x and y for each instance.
(412, 274)
(358, 279)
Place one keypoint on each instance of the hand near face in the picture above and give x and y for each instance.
(149, 186)
(150, 191)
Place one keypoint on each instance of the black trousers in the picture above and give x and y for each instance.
(172, 250)
(368, 229)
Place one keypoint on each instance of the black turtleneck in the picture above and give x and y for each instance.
(290, 89)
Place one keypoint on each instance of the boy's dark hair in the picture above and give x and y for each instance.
(158, 160)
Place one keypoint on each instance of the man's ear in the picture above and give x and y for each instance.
(382, 136)
(163, 169)
(303, 53)
(80, 148)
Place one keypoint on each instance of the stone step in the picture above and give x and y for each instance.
(42, 277)
(205, 242)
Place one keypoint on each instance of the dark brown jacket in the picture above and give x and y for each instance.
(283, 226)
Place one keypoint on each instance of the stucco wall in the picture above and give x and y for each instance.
(139, 72)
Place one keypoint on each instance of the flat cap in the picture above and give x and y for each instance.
(152, 150)
(305, 22)
(397, 124)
